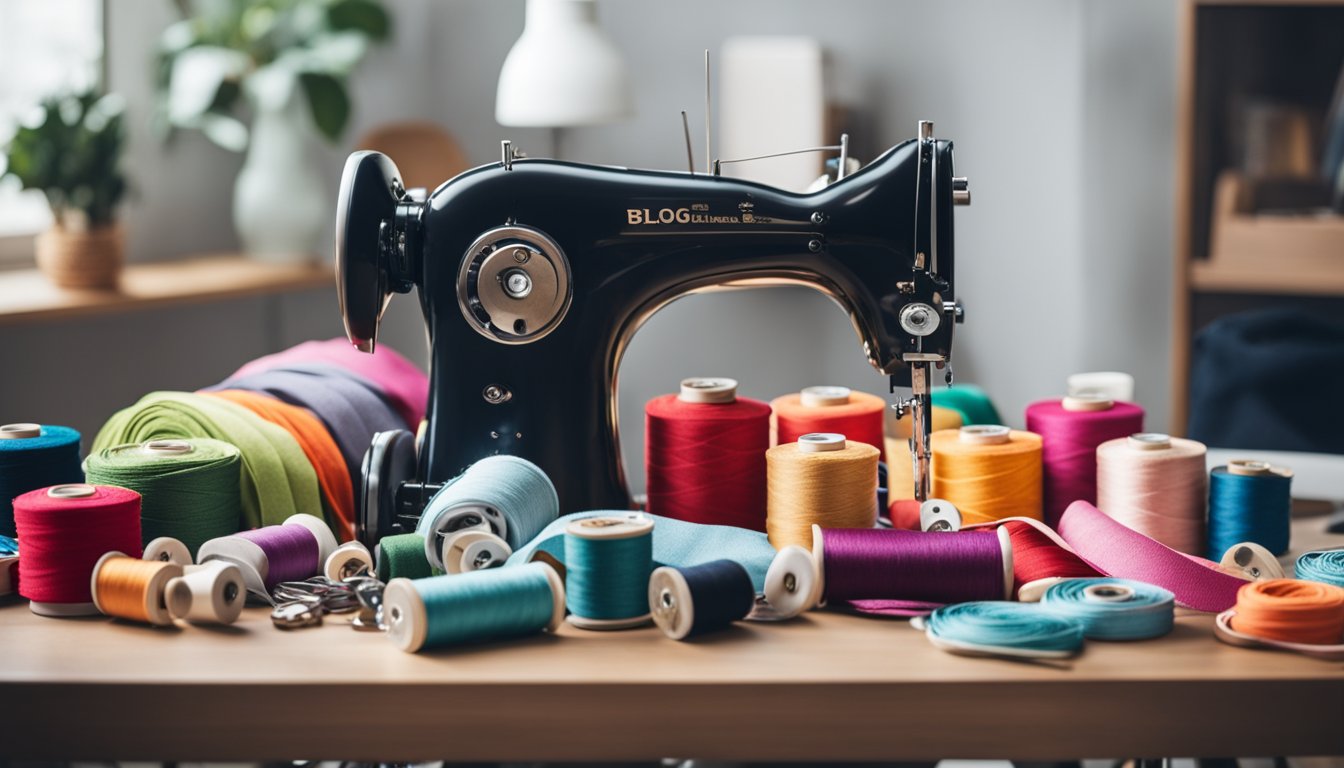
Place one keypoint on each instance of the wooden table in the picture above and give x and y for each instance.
(826, 687)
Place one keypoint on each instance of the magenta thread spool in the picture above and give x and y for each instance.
(902, 572)
(1070, 430)
(292, 551)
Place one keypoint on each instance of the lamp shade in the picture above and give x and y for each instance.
(562, 71)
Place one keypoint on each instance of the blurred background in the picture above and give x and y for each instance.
(1116, 152)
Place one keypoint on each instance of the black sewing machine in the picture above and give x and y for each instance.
(535, 274)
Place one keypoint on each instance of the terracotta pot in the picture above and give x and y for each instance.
(82, 259)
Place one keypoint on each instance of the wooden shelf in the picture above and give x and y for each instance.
(1211, 277)
(26, 296)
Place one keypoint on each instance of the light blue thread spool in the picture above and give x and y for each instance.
(1004, 629)
(608, 560)
(1114, 609)
(1249, 501)
(1326, 566)
(511, 497)
(445, 611)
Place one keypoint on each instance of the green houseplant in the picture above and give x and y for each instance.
(261, 76)
(72, 152)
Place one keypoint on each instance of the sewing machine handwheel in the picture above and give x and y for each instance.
(389, 462)
(366, 209)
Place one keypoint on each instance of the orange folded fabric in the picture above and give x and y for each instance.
(1291, 610)
(317, 444)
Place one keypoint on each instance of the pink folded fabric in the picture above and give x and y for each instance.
(404, 384)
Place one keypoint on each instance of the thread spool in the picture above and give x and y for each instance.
(856, 415)
(1070, 430)
(292, 551)
(1114, 609)
(1156, 485)
(402, 556)
(446, 611)
(65, 530)
(210, 593)
(348, 560)
(607, 561)
(168, 550)
(704, 455)
(512, 495)
(969, 401)
(1039, 562)
(1249, 501)
(687, 602)
(792, 583)
(1003, 629)
(474, 550)
(189, 487)
(1290, 610)
(821, 479)
(988, 471)
(912, 567)
(34, 456)
(133, 589)
(1112, 385)
(1324, 566)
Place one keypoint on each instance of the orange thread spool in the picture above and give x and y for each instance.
(1291, 610)
(988, 472)
(133, 589)
(856, 415)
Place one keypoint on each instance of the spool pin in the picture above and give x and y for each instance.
(156, 591)
(211, 593)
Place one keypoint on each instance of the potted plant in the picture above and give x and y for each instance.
(72, 152)
(281, 65)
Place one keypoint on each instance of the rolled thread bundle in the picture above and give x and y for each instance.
(903, 573)
(1070, 430)
(1290, 610)
(1325, 566)
(821, 479)
(704, 455)
(856, 415)
(403, 383)
(276, 480)
(447, 611)
(687, 602)
(402, 556)
(1249, 501)
(969, 401)
(189, 488)
(607, 563)
(65, 530)
(34, 456)
(133, 589)
(209, 593)
(988, 471)
(292, 551)
(1039, 561)
(1004, 629)
(513, 496)
(1114, 609)
(900, 462)
(1156, 485)
(317, 444)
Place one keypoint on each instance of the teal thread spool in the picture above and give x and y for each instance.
(608, 560)
(403, 557)
(1114, 609)
(511, 497)
(1249, 501)
(1325, 566)
(446, 611)
(189, 487)
(34, 456)
(970, 401)
(1004, 629)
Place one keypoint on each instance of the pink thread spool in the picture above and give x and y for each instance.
(1157, 485)
(1070, 430)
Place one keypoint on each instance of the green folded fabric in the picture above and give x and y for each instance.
(277, 480)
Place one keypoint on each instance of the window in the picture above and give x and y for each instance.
(46, 47)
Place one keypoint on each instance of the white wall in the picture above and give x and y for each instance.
(1061, 112)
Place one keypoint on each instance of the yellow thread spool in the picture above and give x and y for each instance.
(988, 472)
(130, 588)
(822, 479)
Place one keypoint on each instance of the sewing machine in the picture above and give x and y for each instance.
(535, 274)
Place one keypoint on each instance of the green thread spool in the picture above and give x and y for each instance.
(189, 487)
(403, 557)
(608, 560)
(476, 607)
(970, 401)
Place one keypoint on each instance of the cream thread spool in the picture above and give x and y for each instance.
(166, 549)
(349, 559)
(155, 602)
(473, 550)
(823, 478)
(1156, 485)
(211, 593)
(791, 583)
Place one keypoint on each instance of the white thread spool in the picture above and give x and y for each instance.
(211, 593)
(460, 519)
(473, 550)
(349, 559)
(790, 584)
(166, 549)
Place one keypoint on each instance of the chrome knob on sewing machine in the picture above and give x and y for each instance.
(534, 275)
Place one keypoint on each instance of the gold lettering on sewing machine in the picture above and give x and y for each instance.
(696, 213)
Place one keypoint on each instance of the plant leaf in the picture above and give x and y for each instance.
(328, 102)
(197, 76)
(363, 16)
(225, 130)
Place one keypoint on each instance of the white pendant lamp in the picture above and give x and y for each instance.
(563, 71)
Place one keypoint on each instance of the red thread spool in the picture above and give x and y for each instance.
(704, 455)
(1036, 556)
(856, 415)
(64, 530)
(1070, 430)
